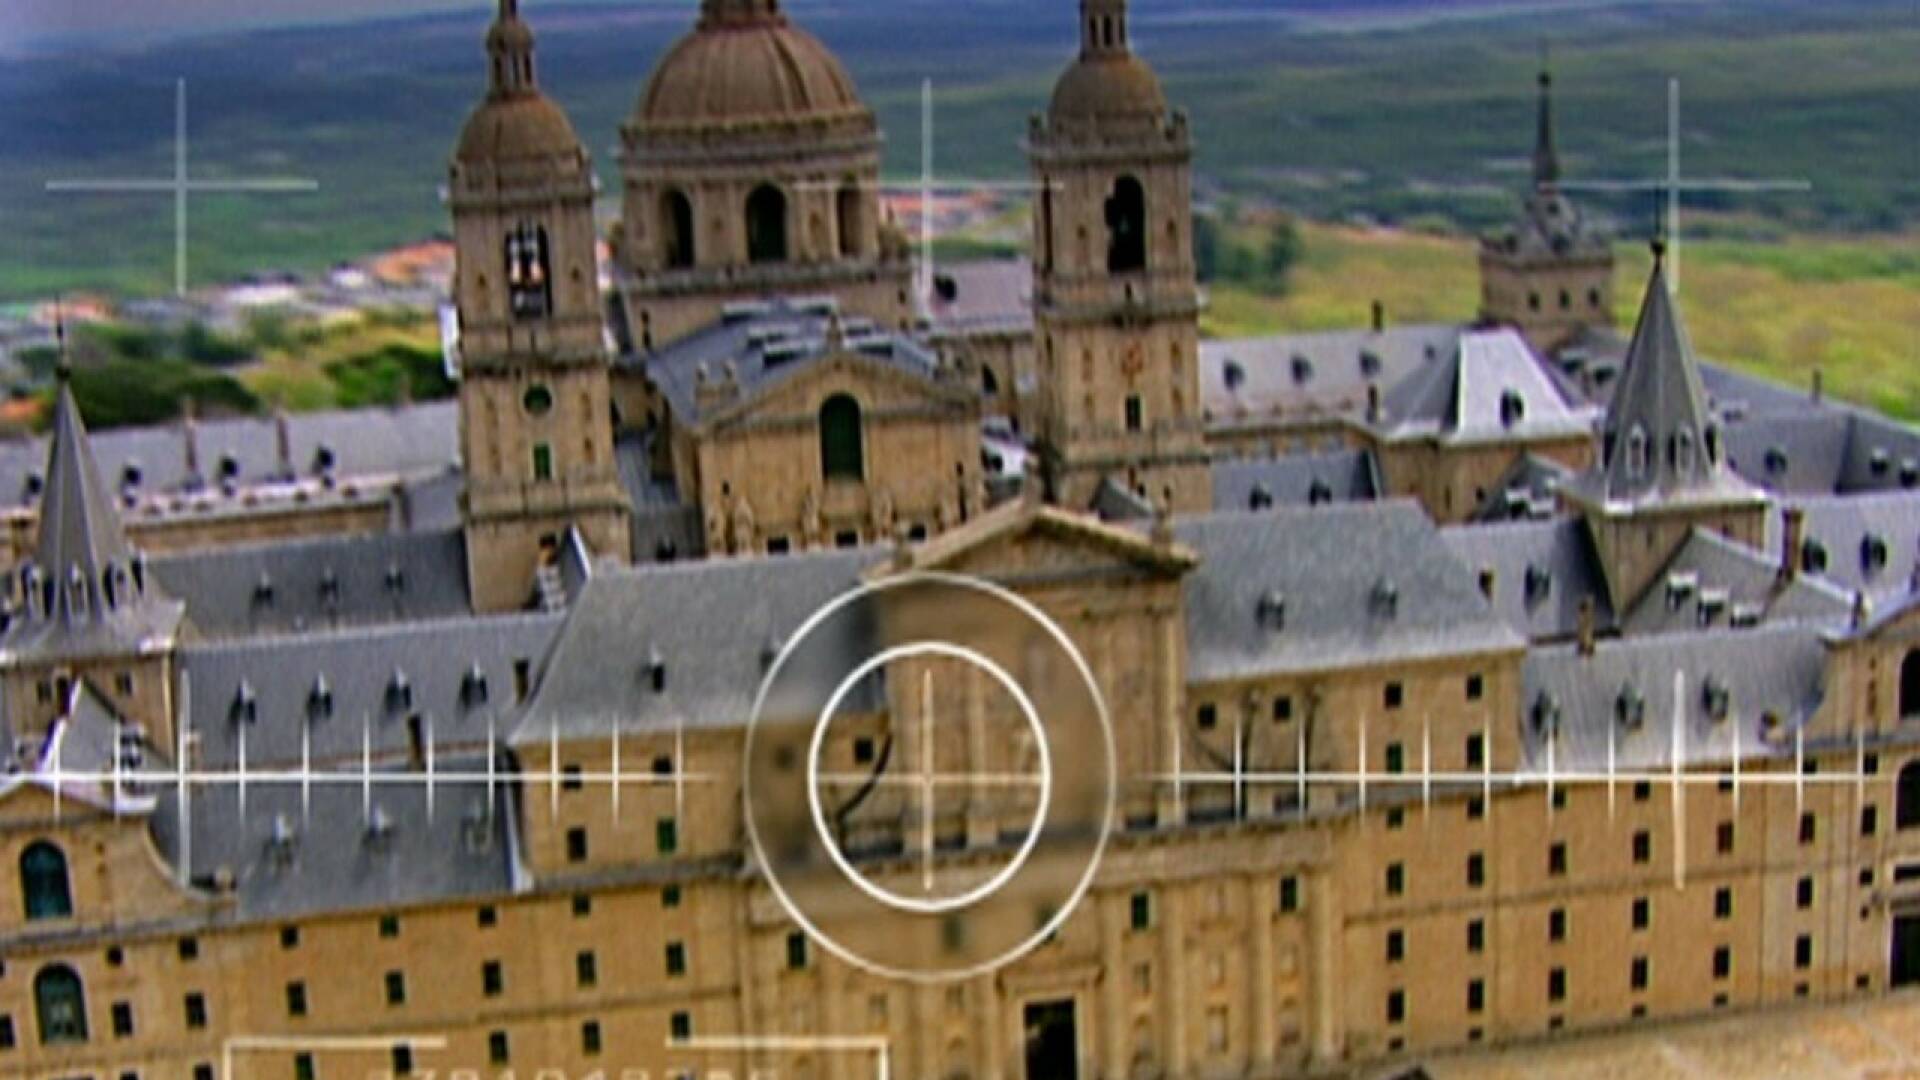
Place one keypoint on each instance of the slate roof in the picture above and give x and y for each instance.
(274, 688)
(712, 626)
(1861, 543)
(1292, 377)
(1360, 585)
(1295, 480)
(1490, 388)
(987, 296)
(1541, 571)
(405, 441)
(1530, 488)
(1778, 670)
(764, 343)
(1716, 582)
(1660, 443)
(285, 857)
(86, 592)
(331, 582)
(87, 741)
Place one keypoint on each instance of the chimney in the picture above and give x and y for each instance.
(1586, 630)
(1379, 316)
(1819, 386)
(416, 743)
(283, 443)
(190, 435)
(1793, 533)
(1373, 403)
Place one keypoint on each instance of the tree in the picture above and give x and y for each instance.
(1284, 248)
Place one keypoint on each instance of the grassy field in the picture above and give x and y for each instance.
(1848, 306)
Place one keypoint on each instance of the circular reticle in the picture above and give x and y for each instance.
(983, 786)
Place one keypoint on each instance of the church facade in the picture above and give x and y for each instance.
(1458, 693)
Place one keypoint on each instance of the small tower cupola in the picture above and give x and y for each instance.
(510, 45)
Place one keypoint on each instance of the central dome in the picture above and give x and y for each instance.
(1112, 85)
(747, 71)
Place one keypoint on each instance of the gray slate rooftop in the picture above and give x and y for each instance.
(1293, 377)
(1715, 582)
(1861, 543)
(1541, 570)
(1489, 388)
(1359, 585)
(1295, 480)
(285, 858)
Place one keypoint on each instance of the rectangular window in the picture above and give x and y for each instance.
(542, 462)
(1476, 808)
(1396, 946)
(1642, 912)
(389, 926)
(586, 971)
(396, 988)
(582, 905)
(590, 1037)
(1141, 911)
(6, 1033)
(493, 980)
(796, 951)
(289, 937)
(1557, 860)
(1206, 717)
(666, 836)
(1476, 995)
(1638, 978)
(1396, 1006)
(296, 999)
(402, 1059)
(1476, 750)
(122, 1020)
(196, 1011)
(1476, 687)
(189, 948)
(1396, 758)
(1722, 962)
(1283, 708)
(1396, 879)
(1135, 417)
(576, 845)
(487, 916)
(670, 896)
(1723, 838)
(1803, 951)
(1557, 924)
(1869, 820)
(680, 1027)
(1476, 936)
(570, 779)
(303, 1067)
(499, 1051)
(676, 959)
(1476, 870)
(1723, 902)
(1289, 893)
(1642, 846)
(1557, 984)
(1807, 828)
(1642, 790)
(1394, 696)
(1803, 893)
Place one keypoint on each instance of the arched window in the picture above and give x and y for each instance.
(1127, 227)
(847, 209)
(1636, 452)
(43, 882)
(62, 1005)
(1906, 811)
(766, 225)
(676, 229)
(842, 457)
(529, 276)
(1910, 684)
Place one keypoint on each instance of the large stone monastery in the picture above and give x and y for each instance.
(1466, 684)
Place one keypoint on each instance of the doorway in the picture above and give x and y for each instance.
(1904, 964)
(1053, 1044)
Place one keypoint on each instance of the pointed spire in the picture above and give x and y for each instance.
(1103, 28)
(80, 533)
(510, 47)
(1660, 437)
(1546, 159)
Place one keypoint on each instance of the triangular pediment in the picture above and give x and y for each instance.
(878, 384)
(1027, 541)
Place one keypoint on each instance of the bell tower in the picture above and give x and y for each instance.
(1116, 304)
(536, 427)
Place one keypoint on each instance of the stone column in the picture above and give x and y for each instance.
(1173, 996)
(1323, 926)
(1260, 904)
(1113, 974)
(1166, 711)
